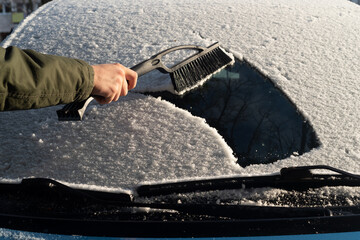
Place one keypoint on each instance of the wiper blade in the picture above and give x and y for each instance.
(293, 178)
(50, 186)
(240, 211)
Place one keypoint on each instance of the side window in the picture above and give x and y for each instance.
(255, 118)
(5, 8)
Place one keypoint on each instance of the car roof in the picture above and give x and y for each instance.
(309, 49)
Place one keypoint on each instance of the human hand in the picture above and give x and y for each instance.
(112, 81)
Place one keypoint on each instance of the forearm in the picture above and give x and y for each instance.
(33, 80)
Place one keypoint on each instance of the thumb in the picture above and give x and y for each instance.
(102, 100)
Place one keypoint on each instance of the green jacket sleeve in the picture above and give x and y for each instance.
(29, 79)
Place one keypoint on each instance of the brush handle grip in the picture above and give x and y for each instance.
(146, 66)
(155, 61)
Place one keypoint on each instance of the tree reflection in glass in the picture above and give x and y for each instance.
(255, 118)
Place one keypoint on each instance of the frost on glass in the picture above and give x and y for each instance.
(255, 118)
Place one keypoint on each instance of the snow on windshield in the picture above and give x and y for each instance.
(309, 49)
(137, 139)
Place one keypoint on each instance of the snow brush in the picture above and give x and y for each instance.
(185, 75)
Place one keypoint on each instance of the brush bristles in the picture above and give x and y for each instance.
(194, 72)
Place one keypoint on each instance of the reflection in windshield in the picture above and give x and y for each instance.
(256, 119)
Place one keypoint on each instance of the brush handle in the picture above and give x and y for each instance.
(77, 109)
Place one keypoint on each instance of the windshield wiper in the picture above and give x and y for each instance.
(45, 197)
(39, 204)
(292, 178)
(50, 198)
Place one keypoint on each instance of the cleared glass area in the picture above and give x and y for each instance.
(255, 118)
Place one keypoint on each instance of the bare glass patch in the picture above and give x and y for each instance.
(256, 119)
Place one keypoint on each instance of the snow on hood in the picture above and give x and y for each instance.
(310, 49)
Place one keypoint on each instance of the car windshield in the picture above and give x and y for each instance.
(289, 100)
(132, 168)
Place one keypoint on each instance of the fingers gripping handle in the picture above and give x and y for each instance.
(75, 111)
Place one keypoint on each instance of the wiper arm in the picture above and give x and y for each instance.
(293, 178)
(304, 171)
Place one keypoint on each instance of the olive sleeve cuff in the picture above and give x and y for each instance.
(29, 79)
